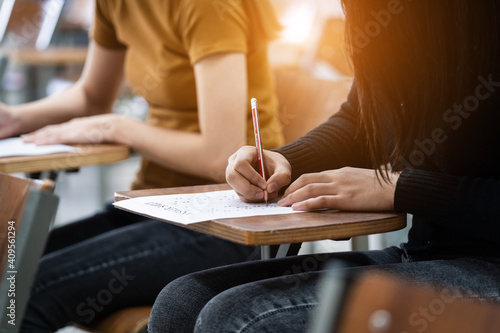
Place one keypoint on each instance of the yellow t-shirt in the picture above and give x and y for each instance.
(163, 39)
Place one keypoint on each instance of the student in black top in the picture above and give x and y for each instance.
(418, 134)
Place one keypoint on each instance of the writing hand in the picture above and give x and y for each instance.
(345, 189)
(242, 174)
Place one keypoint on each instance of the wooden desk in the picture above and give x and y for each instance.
(89, 155)
(284, 229)
(53, 56)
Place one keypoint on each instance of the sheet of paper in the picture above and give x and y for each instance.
(197, 207)
(16, 147)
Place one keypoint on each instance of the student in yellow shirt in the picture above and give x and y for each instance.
(197, 63)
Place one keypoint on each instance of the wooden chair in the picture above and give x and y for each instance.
(26, 25)
(26, 38)
(27, 209)
(305, 101)
(129, 320)
(30, 24)
(378, 303)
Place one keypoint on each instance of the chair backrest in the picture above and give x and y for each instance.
(29, 23)
(378, 303)
(306, 101)
(27, 209)
(26, 24)
(331, 46)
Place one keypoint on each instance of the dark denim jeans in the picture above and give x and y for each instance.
(114, 260)
(278, 295)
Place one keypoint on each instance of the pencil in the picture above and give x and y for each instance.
(258, 143)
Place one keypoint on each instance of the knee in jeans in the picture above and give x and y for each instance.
(231, 310)
(209, 318)
(255, 307)
(172, 306)
(223, 314)
(165, 300)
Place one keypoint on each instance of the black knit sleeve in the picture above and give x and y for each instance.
(336, 143)
(469, 205)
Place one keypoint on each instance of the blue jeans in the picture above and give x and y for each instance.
(115, 260)
(278, 295)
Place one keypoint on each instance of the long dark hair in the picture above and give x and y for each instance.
(412, 60)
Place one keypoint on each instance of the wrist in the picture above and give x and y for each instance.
(393, 177)
(118, 129)
(13, 120)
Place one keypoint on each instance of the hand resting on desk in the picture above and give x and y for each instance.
(345, 189)
(92, 129)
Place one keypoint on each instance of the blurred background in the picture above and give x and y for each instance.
(42, 50)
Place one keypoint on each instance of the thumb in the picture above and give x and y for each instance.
(280, 178)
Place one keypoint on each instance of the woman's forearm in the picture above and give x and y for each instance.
(94, 93)
(71, 103)
(190, 153)
(467, 204)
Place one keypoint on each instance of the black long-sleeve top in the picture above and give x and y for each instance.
(454, 195)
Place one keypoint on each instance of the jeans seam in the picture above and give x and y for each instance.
(103, 265)
(480, 298)
(91, 269)
(273, 312)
